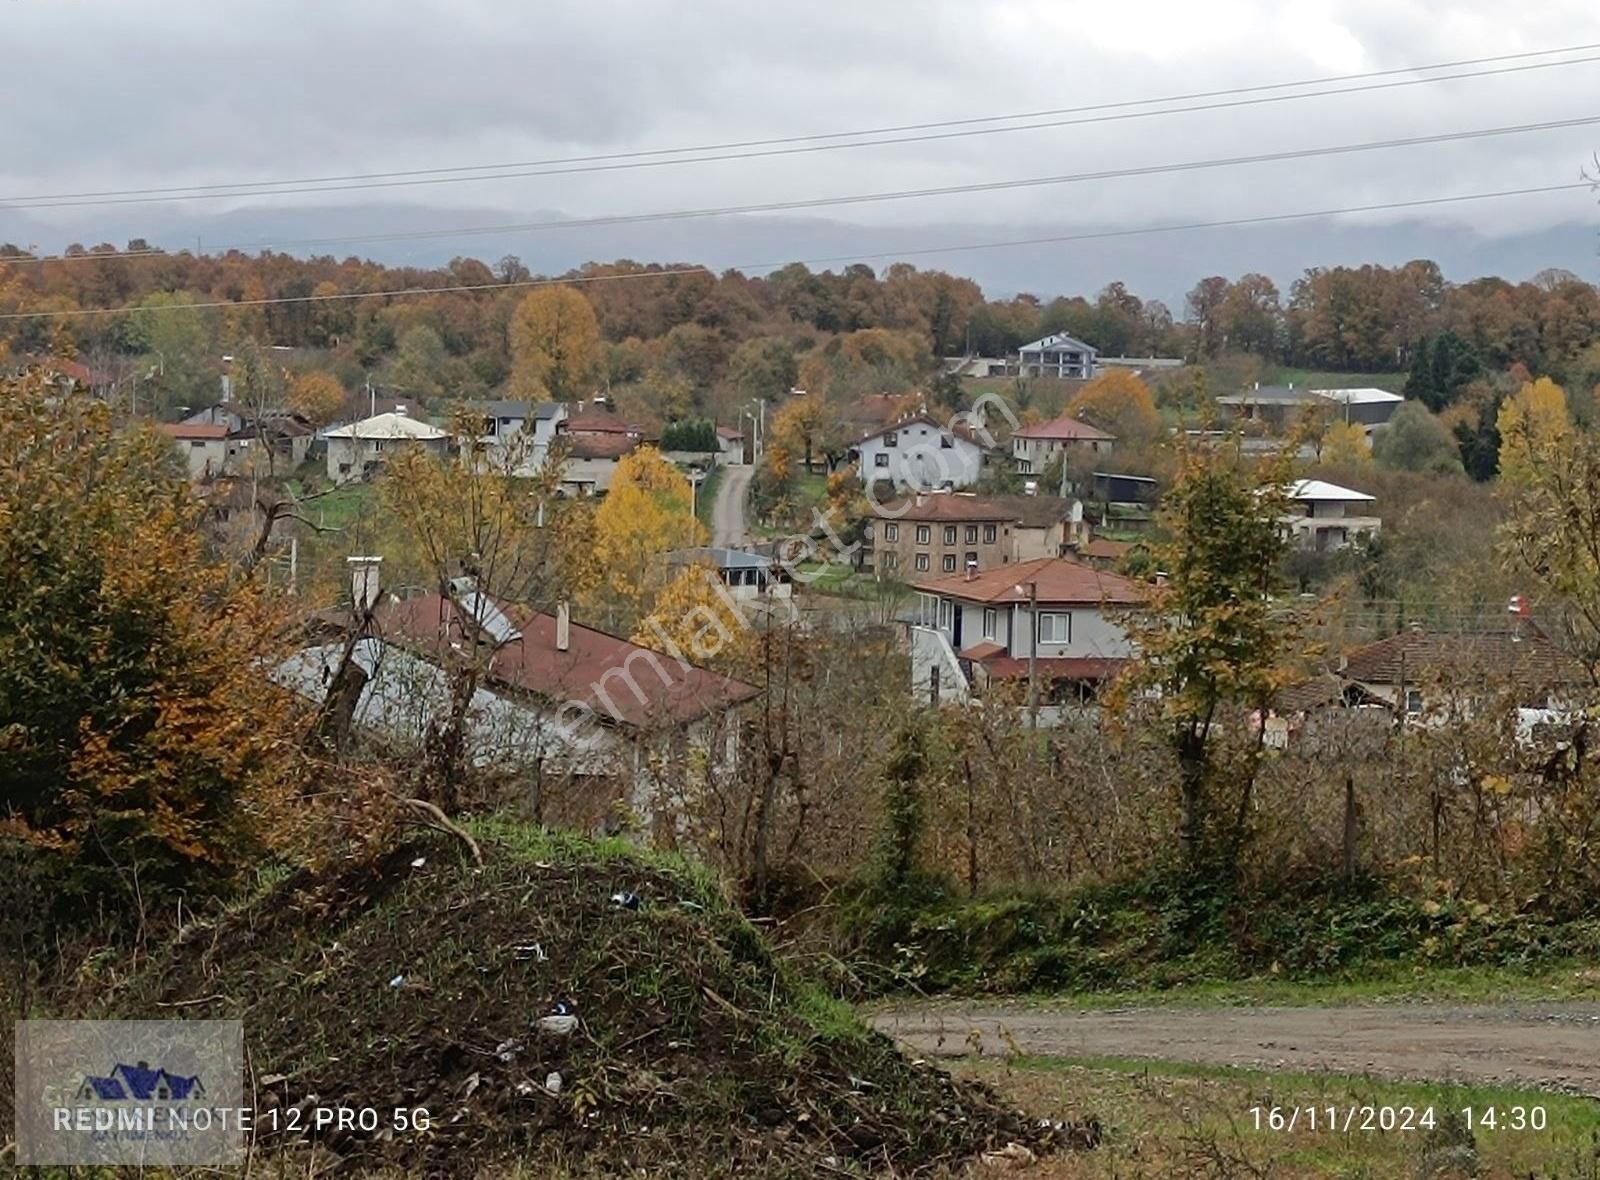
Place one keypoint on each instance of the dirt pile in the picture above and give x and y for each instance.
(567, 1007)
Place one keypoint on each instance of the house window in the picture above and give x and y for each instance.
(991, 622)
(945, 442)
(1413, 701)
(972, 534)
(949, 563)
(946, 614)
(196, 443)
(922, 563)
(989, 534)
(891, 560)
(880, 460)
(1055, 627)
(949, 534)
(927, 610)
(891, 437)
(924, 534)
(891, 532)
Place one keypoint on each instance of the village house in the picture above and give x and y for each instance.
(746, 576)
(918, 453)
(517, 435)
(1279, 408)
(1059, 356)
(974, 631)
(358, 450)
(1034, 447)
(589, 717)
(204, 447)
(945, 532)
(730, 445)
(1326, 517)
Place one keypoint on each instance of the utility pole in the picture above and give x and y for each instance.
(1033, 655)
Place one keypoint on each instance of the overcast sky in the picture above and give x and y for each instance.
(120, 94)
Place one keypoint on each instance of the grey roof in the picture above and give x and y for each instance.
(1269, 394)
(523, 410)
(1057, 340)
(727, 559)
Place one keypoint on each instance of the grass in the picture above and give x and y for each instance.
(1176, 1119)
(706, 497)
(1325, 379)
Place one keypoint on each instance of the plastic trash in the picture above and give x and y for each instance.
(552, 1083)
(560, 1025)
(397, 982)
(419, 862)
(624, 899)
(505, 1051)
(564, 1008)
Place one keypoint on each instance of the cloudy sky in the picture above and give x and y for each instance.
(131, 94)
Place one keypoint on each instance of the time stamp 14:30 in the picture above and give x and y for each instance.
(1394, 1118)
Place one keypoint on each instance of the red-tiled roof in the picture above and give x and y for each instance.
(1058, 580)
(193, 430)
(1095, 668)
(729, 432)
(1064, 429)
(946, 507)
(1525, 654)
(600, 422)
(983, 651)
(618, 680)
(1106, 549)
(602, 446)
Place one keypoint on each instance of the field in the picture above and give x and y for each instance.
(1176, 1120)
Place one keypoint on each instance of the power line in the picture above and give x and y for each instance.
(583, 280)
(789, 145)
(913, 194)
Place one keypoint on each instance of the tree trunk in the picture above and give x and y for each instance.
(1350, 828)
(1191, 784)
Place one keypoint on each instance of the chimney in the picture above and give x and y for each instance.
(972, 569)
(364, 582)
(563, 625)
(401, 410)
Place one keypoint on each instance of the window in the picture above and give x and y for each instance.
(880, 460)
(197, 442)
(949, 563)
(891, 532)
(927, 610)
(891, 437)
(1055, 627)
(949, 534)
(924, 534)
(922, 563)
(891, 560)
(946, 614)
(1413, 701)
(991, 622)
(945, 442)
(972, 534)
(989, 534)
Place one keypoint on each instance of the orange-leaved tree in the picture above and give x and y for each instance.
(647, 512)
(139, 743)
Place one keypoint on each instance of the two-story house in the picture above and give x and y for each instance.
(1033, 447)
(204, 447)
(358, 450)
(1325, 516)
(936, 534)
(518, 434)
(918, 454)
(976, 630)
(1058, 355)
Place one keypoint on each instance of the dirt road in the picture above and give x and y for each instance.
(1546, 1044)
(727, 514)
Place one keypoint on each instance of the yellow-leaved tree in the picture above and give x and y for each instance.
(1346, 444)
(555, 345)
(1120, 404)
(1532, 423)
(646, 512)
(694, 618)
(317, 397)
(806, 426)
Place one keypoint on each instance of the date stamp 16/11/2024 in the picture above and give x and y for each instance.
(1379, 1119)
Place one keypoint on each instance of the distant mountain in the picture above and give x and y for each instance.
(1161, 265)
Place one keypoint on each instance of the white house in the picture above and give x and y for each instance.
(357, 450)
(1033, 447)
(975, 630)
(1059, 355)
(919, 454)
(730, 444)
(744, 575)
(205, 447)
(1326, 516)
(519, 434)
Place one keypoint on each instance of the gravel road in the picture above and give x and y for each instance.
(1554, 1045)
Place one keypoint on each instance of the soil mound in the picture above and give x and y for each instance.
(568, 1007)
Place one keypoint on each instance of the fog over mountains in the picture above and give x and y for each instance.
(1155, 265)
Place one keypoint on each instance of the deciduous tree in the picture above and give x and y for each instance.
(555, 345)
